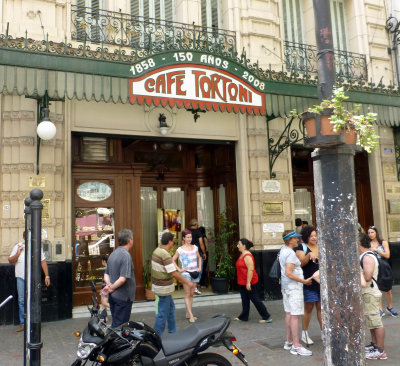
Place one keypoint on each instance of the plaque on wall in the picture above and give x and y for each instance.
(270, 208)
(394, 225)
(273, 227)
(37, 182)
(46, 207)
(389, 169)
(271, 186)
(394, 206)
(388, 150)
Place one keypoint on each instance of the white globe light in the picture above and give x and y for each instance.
(46, 130)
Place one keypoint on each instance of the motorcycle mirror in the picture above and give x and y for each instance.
(94, 302)
(93, 286)
(94, 328)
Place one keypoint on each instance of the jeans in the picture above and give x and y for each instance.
(252, 296)
(120, 311)
(166, 313)
(21, 298)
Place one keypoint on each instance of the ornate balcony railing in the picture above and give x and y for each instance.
(152, 35)
(302, 58)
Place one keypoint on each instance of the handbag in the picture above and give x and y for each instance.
(194, 274)
(275, 270)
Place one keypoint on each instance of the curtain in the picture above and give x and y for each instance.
(149, 220)
(174, 199)
(221, 199)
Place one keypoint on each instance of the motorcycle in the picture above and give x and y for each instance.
(135, 343)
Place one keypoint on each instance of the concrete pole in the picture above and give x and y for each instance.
(336, 211)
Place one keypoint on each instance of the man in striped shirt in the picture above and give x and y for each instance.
(163, 272)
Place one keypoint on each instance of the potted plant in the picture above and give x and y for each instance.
(224, 265)
(336, 119)
(149, 295)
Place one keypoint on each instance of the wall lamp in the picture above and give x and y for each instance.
(46, 130)
(195, 113)
(163, 124)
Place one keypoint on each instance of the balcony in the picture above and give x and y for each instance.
(146, 34)
(302, 58)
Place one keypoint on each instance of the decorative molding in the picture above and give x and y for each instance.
(21, 140)
(259, 219)
(259, 153)
(16, 168)
(28, 116)
(12, 223)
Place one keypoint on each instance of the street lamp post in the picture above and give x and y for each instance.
(336, 212)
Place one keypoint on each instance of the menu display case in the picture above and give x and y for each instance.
(94, 242)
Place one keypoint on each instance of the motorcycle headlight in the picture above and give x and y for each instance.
(84, 349)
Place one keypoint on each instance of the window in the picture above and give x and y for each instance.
(338, 17)
(89, 10)
(154, 9)
(292, 21)
(211, 14)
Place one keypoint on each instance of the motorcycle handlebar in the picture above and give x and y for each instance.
(94, 302)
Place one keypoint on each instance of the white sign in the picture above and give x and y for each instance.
(273, 228)
(271, 186)
(112, 243)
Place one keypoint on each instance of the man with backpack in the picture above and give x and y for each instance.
(371, 298)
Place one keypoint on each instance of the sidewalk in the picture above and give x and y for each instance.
(261, 343)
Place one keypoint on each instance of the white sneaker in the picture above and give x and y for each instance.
(305, 337)
(197, 291)
(301, 351)
(287, 345)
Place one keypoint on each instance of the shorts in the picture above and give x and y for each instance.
(189, 278)
(373, 319)
(311, 295)
(293, 301)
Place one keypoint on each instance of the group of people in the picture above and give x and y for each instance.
(300, 285)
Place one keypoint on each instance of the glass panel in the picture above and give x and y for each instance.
(149, 220)
(205, 217)
(302, 205)
(221, 199)
(174, 199)
(94, 239)
(94, 191)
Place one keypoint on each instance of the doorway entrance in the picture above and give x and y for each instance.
(197, 180)
(303, 186)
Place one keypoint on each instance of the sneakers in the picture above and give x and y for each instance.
(287, 345)
(301, 351)
(305, 337)
(382, 313)
(392, 311)
(376, 355)
(197, 291)
(20, 328)
(371, 347)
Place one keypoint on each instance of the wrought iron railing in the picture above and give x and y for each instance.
(153, 35)
(302, 58)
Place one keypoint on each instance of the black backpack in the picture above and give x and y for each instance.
(385, 278)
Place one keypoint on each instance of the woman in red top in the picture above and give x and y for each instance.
(247, 279)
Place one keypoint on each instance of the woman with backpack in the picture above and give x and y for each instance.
(307, 253)
(381, 248)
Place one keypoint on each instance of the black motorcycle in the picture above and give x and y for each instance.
(135, 343)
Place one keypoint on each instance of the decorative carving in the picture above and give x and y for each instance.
(16, 168)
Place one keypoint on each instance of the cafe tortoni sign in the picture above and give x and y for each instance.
(196, 80)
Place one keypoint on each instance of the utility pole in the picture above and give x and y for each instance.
(336, 211)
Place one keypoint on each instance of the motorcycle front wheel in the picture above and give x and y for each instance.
(208, 359)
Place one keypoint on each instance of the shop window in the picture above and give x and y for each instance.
(303, 205)
(94, 240)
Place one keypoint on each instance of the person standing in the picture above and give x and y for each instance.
(381, 248)
(163, 272)
(299, 225)
(292, 281)
(197, 240)
(307, 252)
(191, 269)
(371, 297)
(120, 279)
(247, 280)
(203, 279)
(17, 256)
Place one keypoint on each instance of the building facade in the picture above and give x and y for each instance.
(168, 110)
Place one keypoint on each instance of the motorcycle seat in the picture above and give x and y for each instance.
(190, 337)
